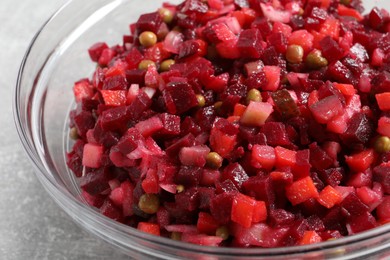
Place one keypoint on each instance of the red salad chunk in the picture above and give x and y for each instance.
(243, 123)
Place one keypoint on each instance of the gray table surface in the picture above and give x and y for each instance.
(32, 226)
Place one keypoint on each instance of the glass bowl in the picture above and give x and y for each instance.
(56, 58)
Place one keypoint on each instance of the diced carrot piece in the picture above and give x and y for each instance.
(242, 210)
(301, 190)
(384, 126)
(285, 157)
(150, 183)
(206, 223)
(272, 74)
(259, 212)
(313, 98)
(377, 57)
(329, 197)
(346, 11)
(346, 89)
(221, 142)
(150, 228)
(383, 100)
(263, 156)
(239, 109)
(302, 38)
(361, 161)
(310, 237)
(331, 27)
(114, 97)
(233, 119)
(317, 37)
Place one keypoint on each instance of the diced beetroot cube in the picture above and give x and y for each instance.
(171, 124)
(276, 134)
(163, 217)
(188, 176)
(149, 126)
(192, 48)
(278, 40)
(302, 166)
(93, 200)
(250, 44)
(369, 197)
(115, 83)
(361, 179)
(263, 156)
(331, 49)
(136, 76)
(112, 119)
(319, 159)
(133, 58)
(301, 190)
(235, 173)
(383, 210)
(194, 155)
(108, 209)
(360, 129)
(362, 222)
(381, 175)
(139, 105)
(225, 186)
(83, 122)
(352, 206)
(218, 32)
(149, 22)
(376, 18)
(326, 109)
(74, 162)
(179, 97)
(341, 73)
(188, 200)
(260, 188)
(95, 182)
(206, 194)
(280, 217)
(185, 141)
(106, 57)
(221, 207)
(95, 51)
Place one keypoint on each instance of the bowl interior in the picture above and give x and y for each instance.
(58, 58)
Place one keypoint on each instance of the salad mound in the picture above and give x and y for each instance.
(240, 123)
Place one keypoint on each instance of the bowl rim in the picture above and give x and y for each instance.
(44, 176)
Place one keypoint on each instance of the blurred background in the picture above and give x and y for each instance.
(32, 226)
